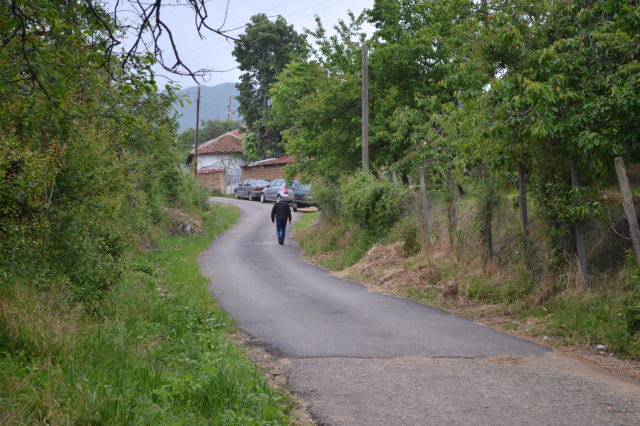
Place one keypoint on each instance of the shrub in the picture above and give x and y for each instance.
(374, 204)
(410, 235)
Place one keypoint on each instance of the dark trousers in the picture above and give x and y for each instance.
(281, 226)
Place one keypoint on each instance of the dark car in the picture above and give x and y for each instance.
(300, 195)
(250, 188)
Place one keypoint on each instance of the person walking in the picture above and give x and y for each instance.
(279, 215)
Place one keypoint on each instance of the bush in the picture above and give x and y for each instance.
(410, 235)
(374, 204)
(325, 198)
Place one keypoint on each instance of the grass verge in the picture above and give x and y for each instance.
(154, 352)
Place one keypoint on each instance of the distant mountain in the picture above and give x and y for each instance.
(214, 101)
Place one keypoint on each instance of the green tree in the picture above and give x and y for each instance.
(262, 52)
(87, 148)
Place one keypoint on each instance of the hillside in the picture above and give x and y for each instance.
(213, 103)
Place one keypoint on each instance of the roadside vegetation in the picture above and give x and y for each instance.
(154, 351)
(452, 272)
(513, 112)
(105, 317)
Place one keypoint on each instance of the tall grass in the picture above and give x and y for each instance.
(153, 352)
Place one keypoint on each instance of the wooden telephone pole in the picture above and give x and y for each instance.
(195, 167)
(229, 110)
(365, 108)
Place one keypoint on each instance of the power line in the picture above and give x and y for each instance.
(316, 12)
(212, 105)
(235, 23)
(288, 16)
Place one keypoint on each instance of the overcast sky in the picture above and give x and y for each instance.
(215, 52)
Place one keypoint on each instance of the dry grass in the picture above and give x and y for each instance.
(382, 269)
(41, 323)
(178, 220)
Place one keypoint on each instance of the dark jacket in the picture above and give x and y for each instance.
(281, 211)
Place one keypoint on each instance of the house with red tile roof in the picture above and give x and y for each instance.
(224, 156)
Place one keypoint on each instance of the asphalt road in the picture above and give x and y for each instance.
(365, 358)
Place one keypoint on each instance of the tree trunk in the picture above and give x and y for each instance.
(582, 253)
(488, 216)
(524, 221)
(453, 214)
(335, 194)
(423, 199)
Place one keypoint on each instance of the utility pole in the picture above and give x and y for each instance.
(365, 108)
(195, 167)
(229, 109)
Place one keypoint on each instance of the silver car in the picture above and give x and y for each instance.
(250, 188)
(277, 190)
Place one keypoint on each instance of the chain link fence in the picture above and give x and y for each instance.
(607, 236)
(607, 240)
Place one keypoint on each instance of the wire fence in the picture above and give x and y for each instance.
(607, 237)
(607, 240)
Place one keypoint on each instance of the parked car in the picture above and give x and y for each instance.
(301, 196)
(250, 188)
(277, 190)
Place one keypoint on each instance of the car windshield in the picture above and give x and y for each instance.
(306, 187)
(261, 182)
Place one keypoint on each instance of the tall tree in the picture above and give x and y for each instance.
(262, 52)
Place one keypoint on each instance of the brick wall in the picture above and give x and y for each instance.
(216, 181)
(262, 172)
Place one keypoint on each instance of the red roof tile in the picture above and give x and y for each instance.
(229, 142)
(273, 161)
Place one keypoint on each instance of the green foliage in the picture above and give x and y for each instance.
(410, 235)
(251, 147)
(88, 151)
(490, 199)
(325, 198)
(156, 359)
(374, 204)
(460, 86)
(631, 300)
(262, 52)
